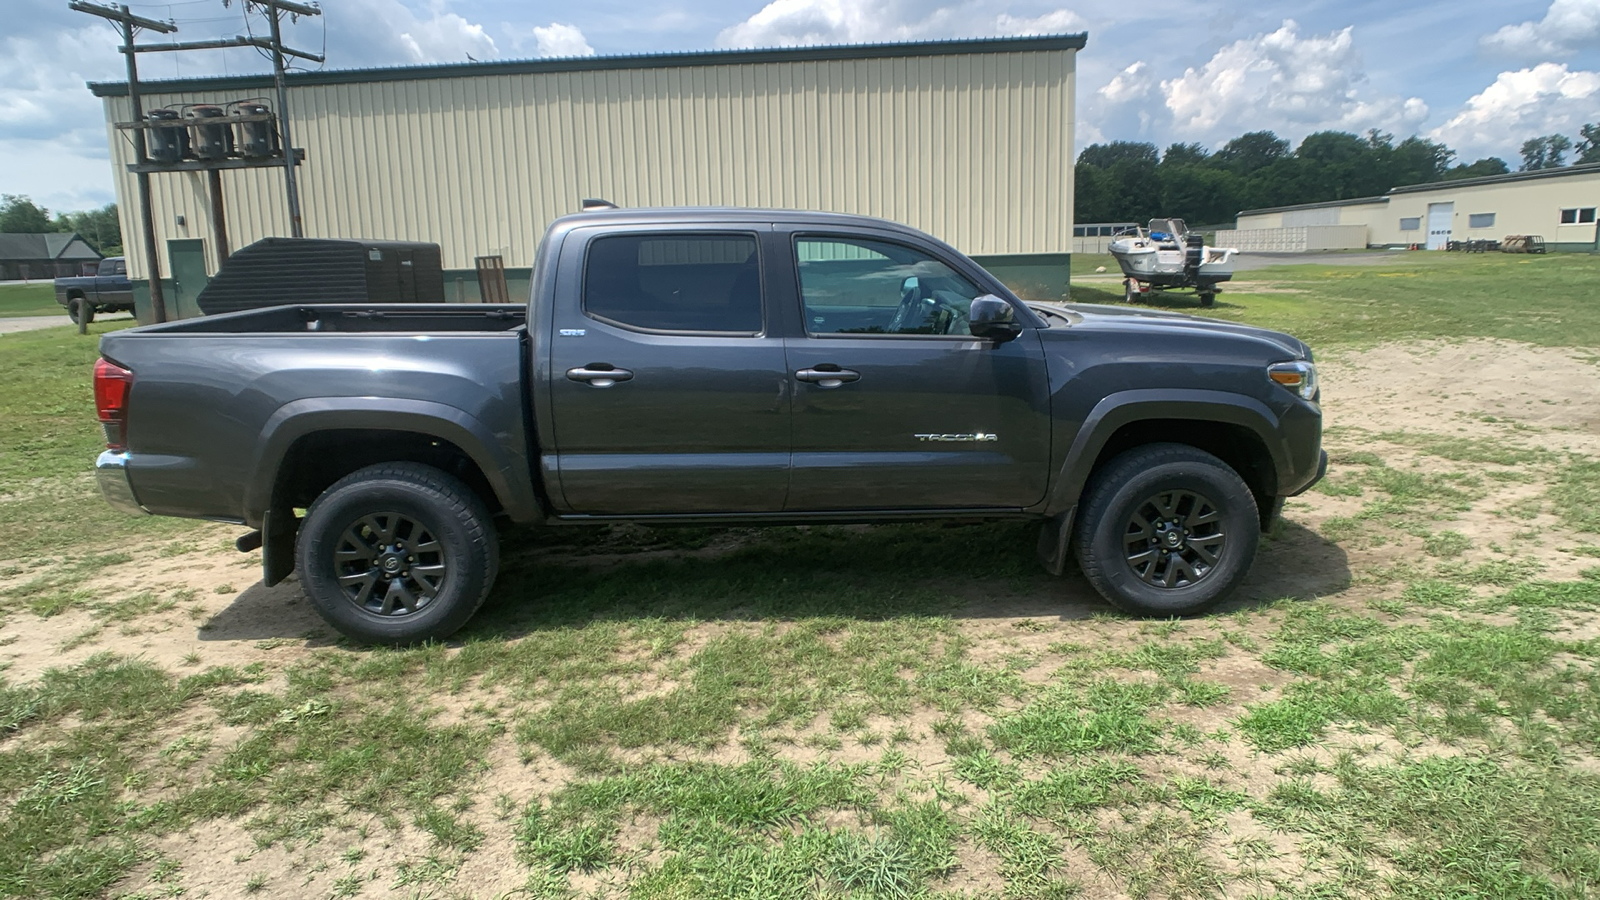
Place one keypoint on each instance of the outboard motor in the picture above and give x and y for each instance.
(1193, 253)
(169, 144)
(257, 140)
(213, 141)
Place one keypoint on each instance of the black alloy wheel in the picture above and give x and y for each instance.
(1166, 530)
(390, 564)
(1174, 539)
(397, 553)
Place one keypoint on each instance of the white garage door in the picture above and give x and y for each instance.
(1439, 216)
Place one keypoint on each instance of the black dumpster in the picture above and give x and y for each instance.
(277, 271)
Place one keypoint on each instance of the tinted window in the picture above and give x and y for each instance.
(852, 286)
(675, 282)
(1586, 215)
(1569, 216)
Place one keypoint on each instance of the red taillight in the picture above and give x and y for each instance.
(111, 384)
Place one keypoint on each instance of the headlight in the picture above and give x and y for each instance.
(1300, 377)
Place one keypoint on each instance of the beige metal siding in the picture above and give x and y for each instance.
(1520, 207)
(974, 148)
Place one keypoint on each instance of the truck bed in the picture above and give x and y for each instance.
(388, 318)
(218, 402)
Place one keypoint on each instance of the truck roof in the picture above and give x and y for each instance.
(688, 215)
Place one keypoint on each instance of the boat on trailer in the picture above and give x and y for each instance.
(1166, 256)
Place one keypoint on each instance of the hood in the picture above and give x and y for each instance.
(1122, 318)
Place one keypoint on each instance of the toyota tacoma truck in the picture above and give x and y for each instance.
(707, 366)
(107, 290)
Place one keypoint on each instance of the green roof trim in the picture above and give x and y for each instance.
(892, 50)
(1563, 172)
(1353, 201)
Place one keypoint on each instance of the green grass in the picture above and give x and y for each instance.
(1549, 300)
(48, 446)
(37, 299)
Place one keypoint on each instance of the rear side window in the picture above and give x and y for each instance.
(675, 282)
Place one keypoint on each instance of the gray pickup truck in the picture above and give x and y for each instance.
(107, 290)
(710, 366)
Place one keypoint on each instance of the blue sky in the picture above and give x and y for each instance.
(1481, 75)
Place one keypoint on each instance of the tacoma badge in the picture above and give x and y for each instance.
(959, 438)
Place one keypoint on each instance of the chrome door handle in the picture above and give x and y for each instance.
(599, 375)
(827, 378)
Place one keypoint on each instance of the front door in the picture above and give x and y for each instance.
(1440, 216)
(188, 260)
(666, 392)
(897, 406)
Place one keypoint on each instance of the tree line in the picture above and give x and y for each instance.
(1130, 181)
(99, 227)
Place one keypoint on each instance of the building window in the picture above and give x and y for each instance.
(1582, 215)
(662, 282)
(1411, 223)
(1480, 220)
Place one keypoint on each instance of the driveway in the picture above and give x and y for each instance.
(34, 323)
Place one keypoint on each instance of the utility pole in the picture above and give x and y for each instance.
(274, 9)
(123, 16)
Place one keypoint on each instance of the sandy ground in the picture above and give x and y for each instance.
(1481, 389)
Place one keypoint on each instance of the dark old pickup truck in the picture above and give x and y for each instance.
(107, 290)
(710, 366)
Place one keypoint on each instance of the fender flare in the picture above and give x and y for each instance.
(508, 474)
(1126, 407)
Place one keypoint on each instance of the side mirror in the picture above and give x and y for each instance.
(993, 319)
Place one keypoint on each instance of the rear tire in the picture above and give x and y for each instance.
(397, 553)
(80, 311)
(1166, 530)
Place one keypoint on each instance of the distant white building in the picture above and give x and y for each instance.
(1557, 204)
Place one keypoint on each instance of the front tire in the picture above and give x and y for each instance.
(397, 553)
(1166, 530)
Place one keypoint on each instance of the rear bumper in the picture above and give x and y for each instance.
(111, 471)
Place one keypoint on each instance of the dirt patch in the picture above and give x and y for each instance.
(1452, 386)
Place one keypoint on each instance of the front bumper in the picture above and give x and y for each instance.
(1322, 469)
(111, 471)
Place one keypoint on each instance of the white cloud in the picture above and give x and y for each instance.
(783, 23)
(557, 39)
(1133, 83)
(1062, 21)
(1284, 82)
(447, 37)
(1567, 25)
(1545, 99)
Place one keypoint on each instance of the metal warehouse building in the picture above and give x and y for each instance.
(971, 141)
(1556, 204)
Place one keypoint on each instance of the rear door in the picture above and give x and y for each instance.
(668, 391)
(897, 405)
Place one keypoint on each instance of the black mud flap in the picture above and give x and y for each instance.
(1053, 539)
(277, 554)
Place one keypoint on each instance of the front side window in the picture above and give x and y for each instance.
(1480, 220)
(864, 287)
(675, 282)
